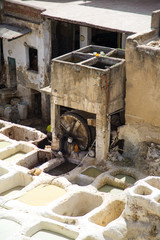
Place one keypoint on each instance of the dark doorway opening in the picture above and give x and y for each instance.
(36, 103)
(33, 59)
(104, 38)
(65, 38)
(2, 67)
(1, 53)
(12, 72)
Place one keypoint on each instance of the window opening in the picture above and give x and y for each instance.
(33, 59)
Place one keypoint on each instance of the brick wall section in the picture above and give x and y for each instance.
(23, 11)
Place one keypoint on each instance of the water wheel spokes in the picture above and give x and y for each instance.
(75, 127)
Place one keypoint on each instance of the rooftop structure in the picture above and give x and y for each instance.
(90, 80)
(121, 16)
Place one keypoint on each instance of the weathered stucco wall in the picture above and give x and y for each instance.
(19, 49)
(142, 88)
(85, 88)
(27, 79)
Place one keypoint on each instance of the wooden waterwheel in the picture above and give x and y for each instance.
(75, 127)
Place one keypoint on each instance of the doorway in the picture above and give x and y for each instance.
(12, 72)
(36, 103)
(65, 38)
(2, 67)
(104, 38)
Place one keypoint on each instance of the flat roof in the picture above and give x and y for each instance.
(11, 32)
(114, 15)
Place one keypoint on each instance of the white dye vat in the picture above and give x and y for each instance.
(42, 195)
(78, 205)
(3, 171)
(8, 228)
(48, 235)
(16, 153)
(110, 189)
(11, 191)
(4, 144)
(15, 157)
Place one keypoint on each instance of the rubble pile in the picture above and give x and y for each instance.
(153, 159)
(147, 159)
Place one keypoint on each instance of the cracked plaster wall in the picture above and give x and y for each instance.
(142, 69)
(39, 39)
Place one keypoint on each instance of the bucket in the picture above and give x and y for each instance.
(23, 110)
(7, 111)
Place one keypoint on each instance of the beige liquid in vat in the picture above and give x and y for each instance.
(42, 195)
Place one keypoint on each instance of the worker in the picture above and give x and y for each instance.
(48, 128)
(49, 133)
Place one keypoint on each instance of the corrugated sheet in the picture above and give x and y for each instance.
(12, 32)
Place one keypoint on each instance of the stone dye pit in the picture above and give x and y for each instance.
(4, 144)
(8, 228)
(110, 189)
(16, 153)
(48, 235)
(92, 172)
(42, 195)
(86, 202)
(21, 133)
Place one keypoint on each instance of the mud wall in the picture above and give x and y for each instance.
(85, 88)
(142, 88)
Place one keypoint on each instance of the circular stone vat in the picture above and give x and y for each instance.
(8, 228)
(109, 214)
(92, 172)
(42, 195)
(110, 189)
(48, 235)
(126, 178)
(154, 182)
(78, 205)
(142, 190)
(4, 144)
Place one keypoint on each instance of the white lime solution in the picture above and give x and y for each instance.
(16, 156)
(8, 228)
(4, 144)
(11, 191)
(48, 235)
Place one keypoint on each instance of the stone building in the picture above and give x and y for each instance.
(25, 56)
(92, 90)
(33, 32)
(142, 87)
